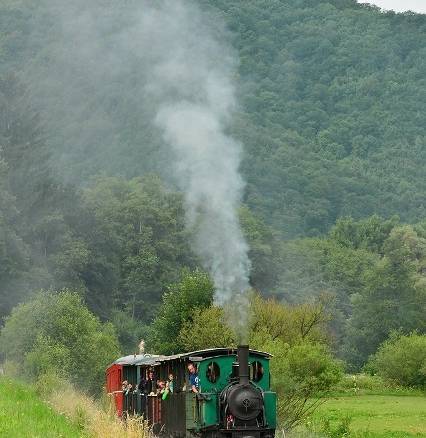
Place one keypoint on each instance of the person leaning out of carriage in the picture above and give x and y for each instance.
(169, 387)
(170, 384)
(194, 381)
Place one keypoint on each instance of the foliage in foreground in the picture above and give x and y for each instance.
(55, 332)
(303, 369)
(93, 419)
(402, 359)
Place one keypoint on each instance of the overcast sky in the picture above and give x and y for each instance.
(399, 5)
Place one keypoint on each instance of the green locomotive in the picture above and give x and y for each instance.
(234, 398)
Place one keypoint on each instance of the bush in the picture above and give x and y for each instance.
(55, 333)
(339, 430)
(302, 375)
(402, 359)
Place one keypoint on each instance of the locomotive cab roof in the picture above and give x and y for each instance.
(196, 356)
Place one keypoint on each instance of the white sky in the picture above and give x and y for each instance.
(399, 5)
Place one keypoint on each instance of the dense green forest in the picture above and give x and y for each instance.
(331, 93)
(332, 99)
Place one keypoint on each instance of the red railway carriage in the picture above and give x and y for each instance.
(127, 368)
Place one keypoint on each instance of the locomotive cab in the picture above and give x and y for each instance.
(236, 400)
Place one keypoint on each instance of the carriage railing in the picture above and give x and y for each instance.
(171, 412)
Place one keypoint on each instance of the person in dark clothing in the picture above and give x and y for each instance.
(148, 386)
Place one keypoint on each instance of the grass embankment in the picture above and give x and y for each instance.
(23, 414)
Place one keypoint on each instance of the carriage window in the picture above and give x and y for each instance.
(213, 372)
(256, 371)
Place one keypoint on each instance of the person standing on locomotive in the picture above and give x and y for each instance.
(194, 381)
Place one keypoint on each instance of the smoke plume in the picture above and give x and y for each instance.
(191, 80)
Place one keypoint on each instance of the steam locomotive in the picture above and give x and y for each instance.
(234, 399)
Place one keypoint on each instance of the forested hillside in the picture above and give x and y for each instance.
(331, 110)
(332, 101)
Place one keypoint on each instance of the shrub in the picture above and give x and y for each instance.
(56, 333)
(302, 375)
(340, 430)
(402, 359)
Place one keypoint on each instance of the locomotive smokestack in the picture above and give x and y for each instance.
(243, 363)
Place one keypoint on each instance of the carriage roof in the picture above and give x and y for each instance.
(211, 352)
(150, 360)
(138, 359)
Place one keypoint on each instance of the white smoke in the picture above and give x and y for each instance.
(190, 77)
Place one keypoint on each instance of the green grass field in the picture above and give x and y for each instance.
(381, 416)
(24, 415)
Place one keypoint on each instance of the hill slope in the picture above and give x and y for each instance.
(332, 100)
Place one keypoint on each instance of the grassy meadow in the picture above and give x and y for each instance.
(371, 415)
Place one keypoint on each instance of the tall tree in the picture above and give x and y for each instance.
(178, 309)
(393, 298)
